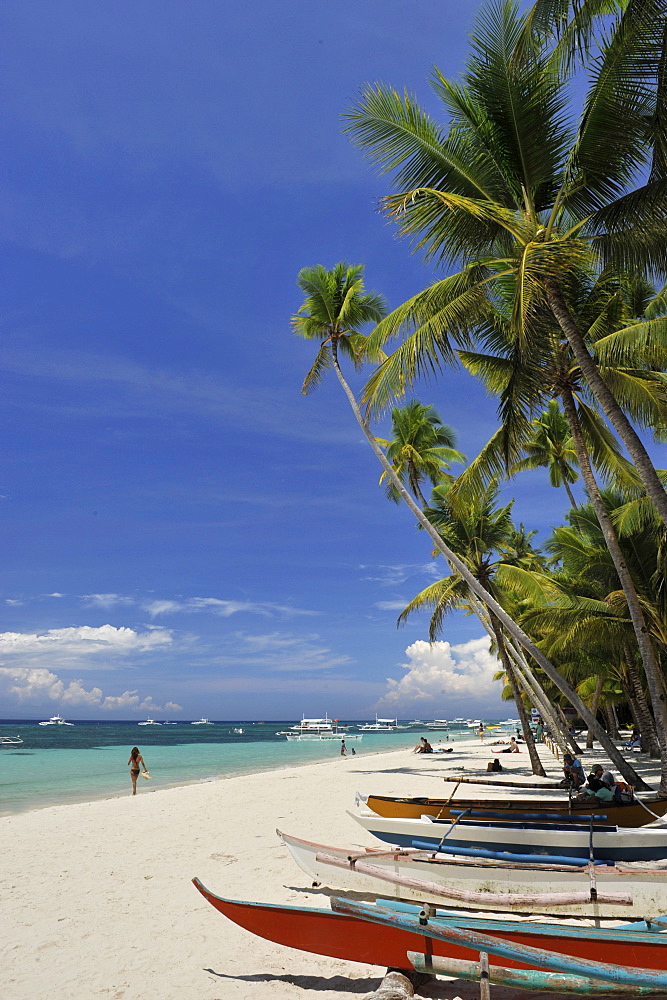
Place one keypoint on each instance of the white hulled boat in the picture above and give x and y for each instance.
(379, 726)
(56, 720)
(149, 722)
(202, 722)
(10, 741)
(438, 724)
(318, 729)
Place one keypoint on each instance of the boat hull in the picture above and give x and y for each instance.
(646, 887)
(632, 815)
(355, 939)
(552, 839)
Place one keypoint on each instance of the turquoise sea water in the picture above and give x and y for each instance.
(61, 764)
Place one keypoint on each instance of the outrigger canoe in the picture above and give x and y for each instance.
(484, 884)
(566, 839)
(631, 815)
(382, 934)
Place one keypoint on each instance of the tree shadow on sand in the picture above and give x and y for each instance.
(341, 984)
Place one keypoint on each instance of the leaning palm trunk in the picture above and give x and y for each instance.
(612, 722)
(644, 717)
(607, 401)
(514, 630)
(594, 709)
(535, 761)
(528, 682)
(559, 732)
(651, 667)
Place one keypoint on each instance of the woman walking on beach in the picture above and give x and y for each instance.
(135, 763)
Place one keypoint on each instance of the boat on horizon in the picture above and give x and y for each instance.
(202, 722)
(56, 720)
(379, 726)
(149, 722)
(10, 741)
(317, 729)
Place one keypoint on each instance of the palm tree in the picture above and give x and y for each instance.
(551, 447)
(331, 314)
(422, 448)
(478, 533)
(523, 200)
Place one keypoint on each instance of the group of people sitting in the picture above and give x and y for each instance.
(600, 783)
(425, 747)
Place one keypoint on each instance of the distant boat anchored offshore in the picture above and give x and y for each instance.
(379, 726)
(149, 722)
(202, 722)
(56, 720)
(10, 741)
(318, 729)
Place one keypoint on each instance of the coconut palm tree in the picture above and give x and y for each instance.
(522, 198)
(551, 447)
(330, 314)
(421, 449)
(479, 533)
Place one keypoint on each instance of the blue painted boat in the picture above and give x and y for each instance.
(563, 840)
(550, 947)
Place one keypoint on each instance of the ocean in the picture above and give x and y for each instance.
(86, 761)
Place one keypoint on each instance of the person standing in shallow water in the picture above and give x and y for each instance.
(135, 763)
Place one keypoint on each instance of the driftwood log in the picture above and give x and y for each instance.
(499, 783)
(399, 984)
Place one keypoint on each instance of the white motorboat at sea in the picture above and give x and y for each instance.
(149, 722)
(10, 741)
(318, 729)
(380, 726)
(202, 722)
(56, 720)
(442, 724)
(168, 723)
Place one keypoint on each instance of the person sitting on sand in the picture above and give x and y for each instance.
(513, 747)
(135, 763)
(423, 746)
(573, 771)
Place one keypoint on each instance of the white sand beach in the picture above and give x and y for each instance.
(97, 902)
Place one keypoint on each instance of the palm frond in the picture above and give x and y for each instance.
(322, 362)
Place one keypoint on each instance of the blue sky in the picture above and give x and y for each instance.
(184, 532)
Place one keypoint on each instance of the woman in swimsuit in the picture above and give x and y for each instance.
(136, 762)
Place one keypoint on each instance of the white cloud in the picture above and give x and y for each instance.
(392, 605)
(105, 600)
(441, 673)
(37, 684)
(393, 576)
(222, 607)
(75, 647)
(281, 652)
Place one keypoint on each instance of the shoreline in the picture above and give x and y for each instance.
(98, 903)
